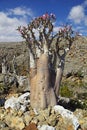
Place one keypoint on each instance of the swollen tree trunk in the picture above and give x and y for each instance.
(42, 93)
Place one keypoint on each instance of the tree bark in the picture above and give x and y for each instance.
(59, 74)
(42, 93)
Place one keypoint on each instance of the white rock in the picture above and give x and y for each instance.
(67, 114)
(23, 108)
(21, 80)
(4, 67)
(19, 103)
(23, 97)
(46, 127)
(12, 103)
(35, 111)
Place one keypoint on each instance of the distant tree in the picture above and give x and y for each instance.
(47, 52)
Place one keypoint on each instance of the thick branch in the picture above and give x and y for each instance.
(59, 74)
(32, 60)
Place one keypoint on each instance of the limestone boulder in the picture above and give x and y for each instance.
(19, 103)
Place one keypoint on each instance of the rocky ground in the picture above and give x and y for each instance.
(18, 115)
(73, 86)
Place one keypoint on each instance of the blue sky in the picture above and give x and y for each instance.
(14, 13)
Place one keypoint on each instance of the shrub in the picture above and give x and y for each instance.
(65, 92)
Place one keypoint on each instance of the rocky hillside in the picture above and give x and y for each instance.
(76, 59)
(8, 50)
(75, 72)
(73, 87)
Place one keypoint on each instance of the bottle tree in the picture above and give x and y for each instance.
(47, 52)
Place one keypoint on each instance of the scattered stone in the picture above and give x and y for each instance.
(35, 120)
(31, 126)
(68, 115)
(46, 127)
(51, 118)
(2, 124)
(82, 117)
(12, 103)
(41, 118)
(27, 118)
(23, 83)
(46, 113)
(15, 122)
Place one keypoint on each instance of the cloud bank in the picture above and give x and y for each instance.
(78, 16)
(78, 13)
(10, 20)
(20, 16)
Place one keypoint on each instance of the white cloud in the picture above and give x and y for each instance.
(10, 20)
(77, 14)
(21, 11)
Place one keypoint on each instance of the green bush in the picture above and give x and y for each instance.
(65, 92)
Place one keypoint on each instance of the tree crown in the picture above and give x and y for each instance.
(40, 34)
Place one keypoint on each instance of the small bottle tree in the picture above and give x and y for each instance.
(47, 52)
